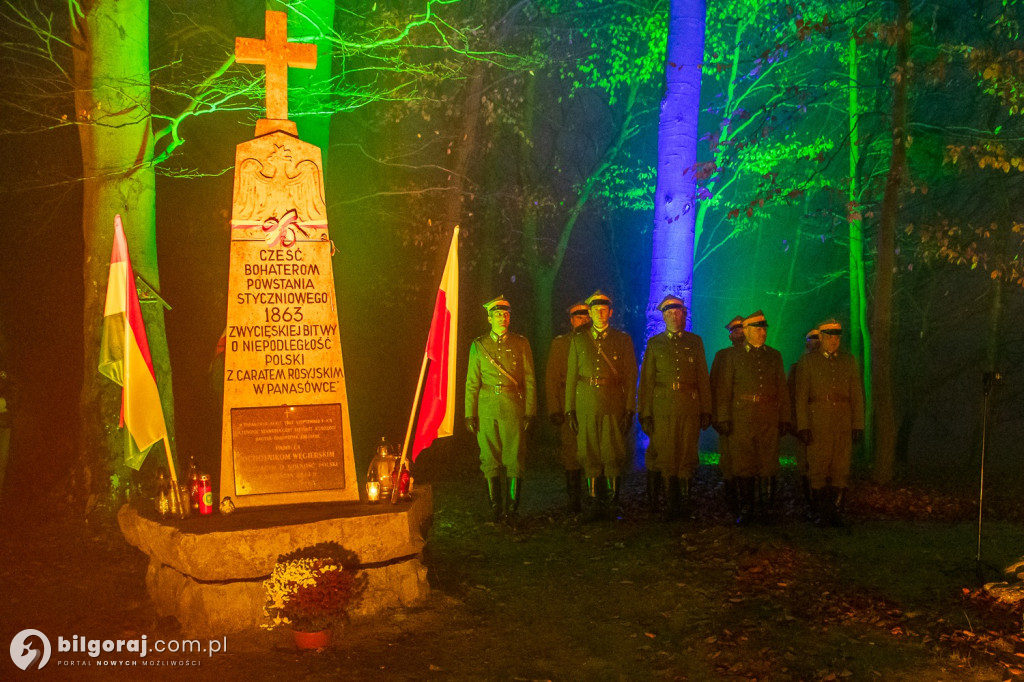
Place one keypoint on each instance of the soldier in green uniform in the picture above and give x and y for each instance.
(558, 362)
(600, 397)
(811, 343)
(674, 406)
(736, 338)
(752, 403)
(829, 418)
(501, 399)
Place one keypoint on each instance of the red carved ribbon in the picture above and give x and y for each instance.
(282, 232)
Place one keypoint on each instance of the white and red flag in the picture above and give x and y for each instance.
(437, 408)
(125, 357)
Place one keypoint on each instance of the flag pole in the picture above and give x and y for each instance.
(408, 429)
(176, 504)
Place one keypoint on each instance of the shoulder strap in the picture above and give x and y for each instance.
(604, 355)
(497, 366)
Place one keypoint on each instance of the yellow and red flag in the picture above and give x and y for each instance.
(437, 409)
(125, 357)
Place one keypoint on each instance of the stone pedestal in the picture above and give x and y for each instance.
(207, 571)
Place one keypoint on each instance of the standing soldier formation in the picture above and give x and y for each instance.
(600, 399)
(674, 407)
(829, 420)
(554, 381)
(501, 399)
(592, 397)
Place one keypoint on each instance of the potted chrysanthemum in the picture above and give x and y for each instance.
(309, 591)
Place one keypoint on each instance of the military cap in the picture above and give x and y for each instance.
(831, 327)
(734, 323)
(813, 334)
(578, 308)
(755, 320)
(599, 298)
(670, 302)
(498, 303)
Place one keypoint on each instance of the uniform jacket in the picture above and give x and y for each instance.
(752, 377)
(824, 383)
(674, 375)
(554, 377)
(591, 385)
(489, 393)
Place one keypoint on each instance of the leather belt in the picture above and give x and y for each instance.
(501, 388)
(756, 398)
(598, 381)
(675, 385)
(830, 398)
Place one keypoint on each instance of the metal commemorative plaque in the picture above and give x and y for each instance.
(288, 449)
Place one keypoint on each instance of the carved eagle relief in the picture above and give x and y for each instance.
(271, 187)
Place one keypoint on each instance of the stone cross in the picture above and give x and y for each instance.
(277, 54)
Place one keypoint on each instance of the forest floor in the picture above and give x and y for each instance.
(895, 596)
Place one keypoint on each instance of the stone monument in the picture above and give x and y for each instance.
(285, 436)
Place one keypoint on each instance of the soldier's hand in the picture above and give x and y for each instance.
(472, 424)
(858, 435)
(804, 436)
(526, 422)
(557, 418)
(724, 428)
(705, 421)
(574, 424)
(626, 422)
(784, 428)
(647, 424)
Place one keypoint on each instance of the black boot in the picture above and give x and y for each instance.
(515, 491)
(674, 503)
(592, 503)
(805, 488)
(747, 493)
(771, 491)
(826, 506)
(837, 508)
(494, 497)
(573, 481)
(732, 497)
(655, 484)
(814, 507)
(614, 510)
(686, 506)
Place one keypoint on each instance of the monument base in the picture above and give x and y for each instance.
(208, 571)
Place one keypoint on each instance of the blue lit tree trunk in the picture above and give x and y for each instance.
(675, 200)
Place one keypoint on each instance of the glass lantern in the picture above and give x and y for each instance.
(383, 467)
(372, 486)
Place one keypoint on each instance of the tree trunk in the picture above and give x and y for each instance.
(675, 200)
(881, 348)
(111, 62)
(860, 334)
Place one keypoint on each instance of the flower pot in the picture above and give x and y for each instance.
(311, 640)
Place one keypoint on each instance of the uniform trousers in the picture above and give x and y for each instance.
(600, 446)
(828, 455)
(754, 442)
(501, 446)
